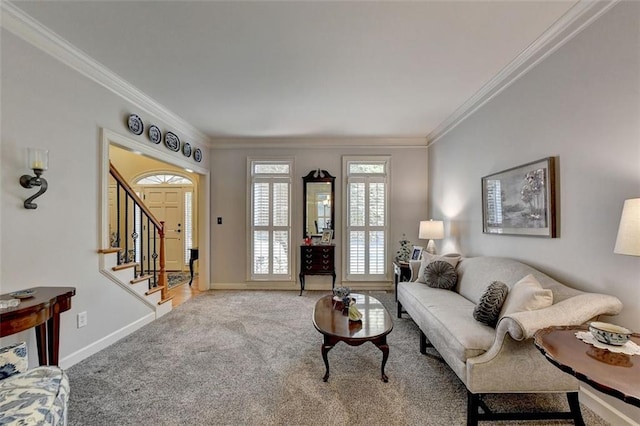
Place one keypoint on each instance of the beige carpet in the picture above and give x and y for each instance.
(253, 358)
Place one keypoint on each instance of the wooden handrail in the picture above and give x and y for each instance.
(125, 185)
(162, 275)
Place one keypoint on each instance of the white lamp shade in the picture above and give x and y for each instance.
(628, 241)
(431, 230)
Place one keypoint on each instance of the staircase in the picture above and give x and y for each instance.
(136, 257)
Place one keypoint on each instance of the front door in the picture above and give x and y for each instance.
(167, 204)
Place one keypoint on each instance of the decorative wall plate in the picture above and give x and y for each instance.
(155, 135)
(186, 149)
(135, 124)
(172, 142)
(197, 155)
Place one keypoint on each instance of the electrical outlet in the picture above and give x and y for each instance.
(82, 319)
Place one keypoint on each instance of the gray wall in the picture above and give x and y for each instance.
(48, 105)
(408, 201)
(582, 104)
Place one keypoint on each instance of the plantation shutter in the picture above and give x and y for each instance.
(366, 220)
(271, 221)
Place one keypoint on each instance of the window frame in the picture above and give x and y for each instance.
(270, 178)
(367, 178)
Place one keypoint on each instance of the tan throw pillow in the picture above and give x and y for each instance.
(427, 258)
(526, 295)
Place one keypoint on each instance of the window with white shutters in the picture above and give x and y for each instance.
(270, 219)
(366, 224)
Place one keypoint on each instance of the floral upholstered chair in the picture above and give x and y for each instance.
(31, 397)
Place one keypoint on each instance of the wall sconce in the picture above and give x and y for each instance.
(38, 160)
(431, 230)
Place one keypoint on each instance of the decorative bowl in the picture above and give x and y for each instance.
(609, 334)
(23, 294)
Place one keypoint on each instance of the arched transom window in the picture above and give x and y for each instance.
(164, 179)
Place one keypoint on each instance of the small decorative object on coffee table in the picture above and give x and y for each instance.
(342, 294)
(354, 313)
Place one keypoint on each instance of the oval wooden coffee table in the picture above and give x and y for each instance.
(329, 319)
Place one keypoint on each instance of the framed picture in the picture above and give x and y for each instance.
(521, 200)
(416, 254)
(327, 235)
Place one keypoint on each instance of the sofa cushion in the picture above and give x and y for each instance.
(39, 396)
(488, 310)
(526, 295)
(440, 274)
(13, 360)
(427, 258)
(446, 319)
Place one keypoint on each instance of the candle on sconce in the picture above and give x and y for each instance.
(38, 158)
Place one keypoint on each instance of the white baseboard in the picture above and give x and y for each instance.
(106, 341)
(605, 410)
(316, 286)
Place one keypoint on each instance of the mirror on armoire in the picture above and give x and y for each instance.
(318, 204)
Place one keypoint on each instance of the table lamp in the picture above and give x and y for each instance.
(628, 240)
(431, 230)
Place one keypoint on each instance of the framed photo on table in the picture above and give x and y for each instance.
(416, 254)
(327, 236)
(521, 200)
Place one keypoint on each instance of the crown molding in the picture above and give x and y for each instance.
(328, 142)
(33, 32)
(576, 19)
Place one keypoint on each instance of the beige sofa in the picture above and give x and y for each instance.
(501, 359)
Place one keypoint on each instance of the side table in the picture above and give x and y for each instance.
(614, 374)
(401, 272)
(42, 312)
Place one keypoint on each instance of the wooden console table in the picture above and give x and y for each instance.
(615, 374)
(317, 260)
(41, 311)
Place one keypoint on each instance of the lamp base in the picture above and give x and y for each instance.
(431, 247)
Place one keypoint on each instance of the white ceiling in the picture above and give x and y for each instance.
(318, 69)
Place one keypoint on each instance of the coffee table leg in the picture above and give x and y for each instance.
(327, 345)
(382, 345)
(325, 351)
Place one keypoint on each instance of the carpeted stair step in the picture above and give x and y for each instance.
(110, 250)
(125, 266)
(141, 278)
